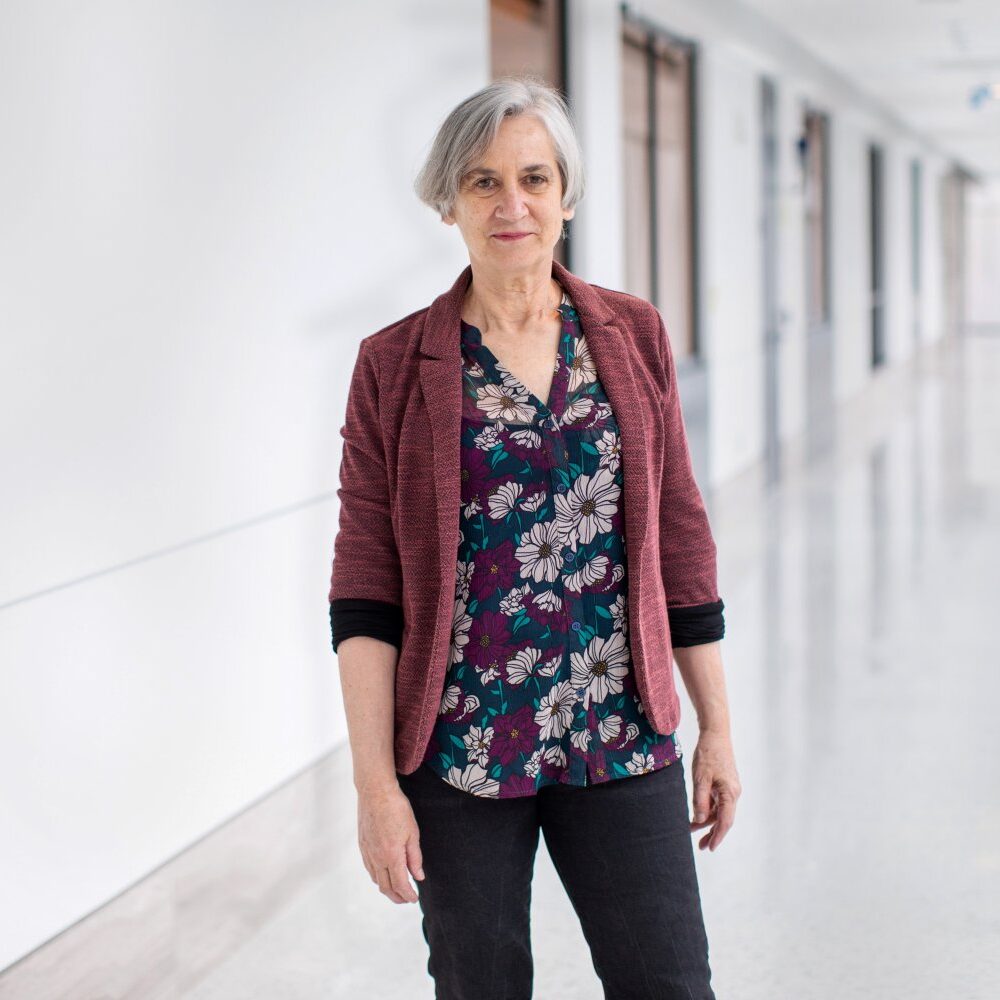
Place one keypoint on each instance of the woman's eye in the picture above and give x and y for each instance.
(482, 180)
(536, 177)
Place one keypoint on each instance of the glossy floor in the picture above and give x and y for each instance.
(864, 680)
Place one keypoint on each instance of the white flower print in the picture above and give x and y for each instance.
(577, 410)
(602, 413)
(588, 573)
(601, 666)
(450, 698)
(550, 667)
(469, 707)
(619, 613)
(507, 377)
(487, 439)
(533, 764)
(474, 779)
(609, 446)
(461, 622)
(610, 728)
(477, 744)
(640, 763)
(583, 371)
(489, 675)
(555, 713)
(631, 731)
(526, 437)
(512, 603)
(463, 578)
(539, 552)
(580, 738)
(522, 665)
(504, 499)
(548, 600)
(472, 508)
(505, 402)
(555, 755)
(588, 507)
(534, 501)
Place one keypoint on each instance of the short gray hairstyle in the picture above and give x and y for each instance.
(472, 125)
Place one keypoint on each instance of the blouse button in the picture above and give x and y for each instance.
(561, 488)
(576, 626)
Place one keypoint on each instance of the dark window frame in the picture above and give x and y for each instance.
(636, 24)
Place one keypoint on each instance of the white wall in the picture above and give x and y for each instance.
(205, 208)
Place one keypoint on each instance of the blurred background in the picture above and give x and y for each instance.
(205, 206)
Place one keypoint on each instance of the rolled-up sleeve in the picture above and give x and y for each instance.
(366, 575)
(687, 549)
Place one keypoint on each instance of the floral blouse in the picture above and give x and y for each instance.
(539, 687)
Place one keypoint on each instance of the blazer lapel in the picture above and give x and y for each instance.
(612, 349)
(441, 386)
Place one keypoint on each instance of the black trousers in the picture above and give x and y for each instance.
(624, 852)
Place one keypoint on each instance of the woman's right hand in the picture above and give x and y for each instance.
(390, 842)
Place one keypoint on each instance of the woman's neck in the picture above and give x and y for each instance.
(511, 304)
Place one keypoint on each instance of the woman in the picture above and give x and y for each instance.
(522, 552)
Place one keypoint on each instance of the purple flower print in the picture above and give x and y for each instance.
(514, 734)
(489, 640)
(493, 569)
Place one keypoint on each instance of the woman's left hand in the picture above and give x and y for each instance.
(716, 787)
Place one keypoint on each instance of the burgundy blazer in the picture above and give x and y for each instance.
(400, 492)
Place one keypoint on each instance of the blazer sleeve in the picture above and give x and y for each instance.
(366, 581)
(687, 548)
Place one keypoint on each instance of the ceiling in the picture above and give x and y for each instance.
(923, 59)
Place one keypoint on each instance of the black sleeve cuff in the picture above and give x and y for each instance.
(361, 616)
(696, 624)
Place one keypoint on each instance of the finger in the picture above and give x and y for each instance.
(702, 798)
(709, 818)
(414, 858)
(385, 885)
(400, 883)
(727, 816)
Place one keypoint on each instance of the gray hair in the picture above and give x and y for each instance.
(472, 125)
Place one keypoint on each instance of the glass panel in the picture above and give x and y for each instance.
(525, 37)
(638, 204)
(673, 198)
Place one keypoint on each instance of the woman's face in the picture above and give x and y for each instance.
(515, 188)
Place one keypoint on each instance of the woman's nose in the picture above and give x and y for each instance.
(512, 204)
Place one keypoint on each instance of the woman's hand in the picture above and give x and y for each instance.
(390, 842)
(716, 787)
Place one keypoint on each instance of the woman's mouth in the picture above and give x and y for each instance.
(510, 237)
